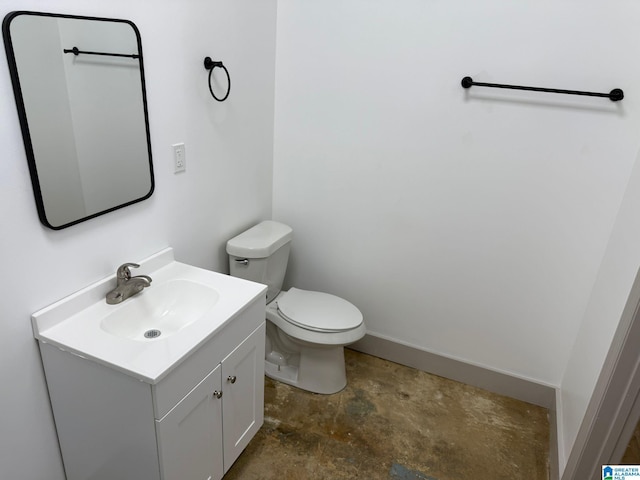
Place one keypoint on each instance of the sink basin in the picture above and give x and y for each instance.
(160, 310)
(184, 307)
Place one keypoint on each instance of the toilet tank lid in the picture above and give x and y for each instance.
(261, 240)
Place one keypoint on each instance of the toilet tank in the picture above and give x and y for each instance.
(261, 254)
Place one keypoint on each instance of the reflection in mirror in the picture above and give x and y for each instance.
(83, 113)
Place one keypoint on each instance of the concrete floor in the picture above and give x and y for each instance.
(632, 454)
(395, 423)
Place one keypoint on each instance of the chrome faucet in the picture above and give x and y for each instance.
(126, 285)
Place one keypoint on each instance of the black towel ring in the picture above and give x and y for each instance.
(210, 65)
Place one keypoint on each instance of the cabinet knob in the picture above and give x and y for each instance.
(231, 379)
(217, 394)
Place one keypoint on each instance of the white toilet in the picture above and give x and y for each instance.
(306, 330)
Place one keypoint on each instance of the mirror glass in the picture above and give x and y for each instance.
(79, 89)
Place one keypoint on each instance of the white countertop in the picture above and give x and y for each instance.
(73, 323)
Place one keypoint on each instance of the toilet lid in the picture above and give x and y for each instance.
(318, 311)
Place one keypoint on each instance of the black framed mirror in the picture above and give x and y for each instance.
(80, 93)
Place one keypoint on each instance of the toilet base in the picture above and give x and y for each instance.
(317, 370)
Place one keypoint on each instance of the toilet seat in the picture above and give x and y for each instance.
(318, 312)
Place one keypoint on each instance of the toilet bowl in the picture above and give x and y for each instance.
(306, 335)
(306, 330)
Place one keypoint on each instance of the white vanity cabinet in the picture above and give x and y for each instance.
(204, 433)
(190, 436)
(190, 425)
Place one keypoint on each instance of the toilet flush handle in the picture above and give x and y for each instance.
(243, 261)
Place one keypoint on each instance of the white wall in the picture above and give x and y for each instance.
(472, 223)
(227, 186)
(608, 298)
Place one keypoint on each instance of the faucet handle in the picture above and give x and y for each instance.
(123, 272)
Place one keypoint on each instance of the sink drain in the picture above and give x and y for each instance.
(152, 333)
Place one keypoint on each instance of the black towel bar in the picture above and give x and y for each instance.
(76, 51)
(615, 95)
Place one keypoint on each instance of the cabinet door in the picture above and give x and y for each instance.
(243, 401)
(189, 436)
